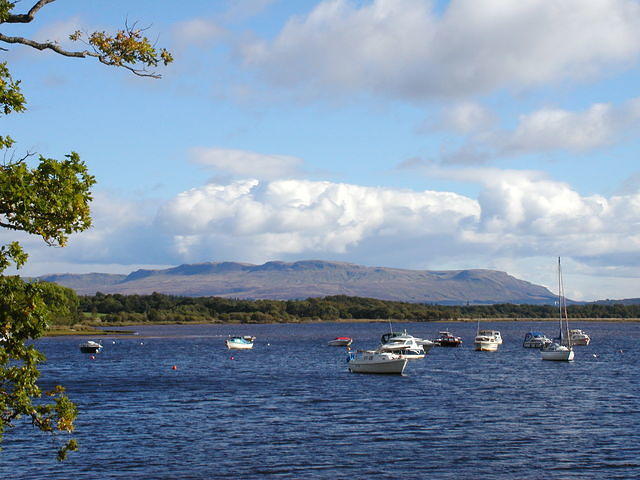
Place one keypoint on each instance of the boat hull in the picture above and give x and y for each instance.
(486, 346)
(339, 342)
(238, 346)
(90, 349)
(557, 355)
(395, 366)
(535, 344)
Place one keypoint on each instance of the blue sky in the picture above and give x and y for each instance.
(401, 133)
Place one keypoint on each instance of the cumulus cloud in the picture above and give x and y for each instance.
(553, 129)
(405, 49)
(545, 130)
(518, 217)
(197, 31)
(297, 216)
(247, 164)
(468, 117)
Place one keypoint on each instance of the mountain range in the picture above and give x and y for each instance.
(314, 278)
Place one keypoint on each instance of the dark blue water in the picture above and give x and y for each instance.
(290, 409)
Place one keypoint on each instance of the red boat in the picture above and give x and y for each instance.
(340, 342)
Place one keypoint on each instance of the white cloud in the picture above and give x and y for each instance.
(403, 48)
(468, 117)
(197, 31)
(247, 164)
(296, 216)
(553, 128)
(545, 130)
(59, 31)
(519, 218)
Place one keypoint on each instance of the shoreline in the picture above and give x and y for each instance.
(99, 330)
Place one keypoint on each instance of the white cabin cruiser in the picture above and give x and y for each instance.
(536, 340)
(579, 337)
(485, 343)
(403, 344)
(240, 343)
(375, 361)
(492, 333)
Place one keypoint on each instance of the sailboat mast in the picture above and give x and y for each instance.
(560, 300)
(565, 339)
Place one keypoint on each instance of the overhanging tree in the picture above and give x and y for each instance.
(48, 198)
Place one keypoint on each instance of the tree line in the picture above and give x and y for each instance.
(170, 308)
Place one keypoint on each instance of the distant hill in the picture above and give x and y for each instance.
(623, 301)
(314, 278)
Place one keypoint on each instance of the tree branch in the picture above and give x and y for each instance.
(46, 45)
(28, 17)
(77, 54)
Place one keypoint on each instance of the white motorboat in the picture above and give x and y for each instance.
(485, 343)
(579, 337)
(403, 344)
(536, 340)
(375, 361)
(240, 343)
(90, 347)
(492, 333)
(486, 340)
(340, 342)
(560, 351)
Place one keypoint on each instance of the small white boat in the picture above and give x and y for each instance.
(560, 351)
(579, 337)
(557, 352)
(374, 361)
(240, 343)
(485, 343)
(536, 340)
(90, 347)
(340, 342)
(402, 344)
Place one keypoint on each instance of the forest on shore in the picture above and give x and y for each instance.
(158, 308)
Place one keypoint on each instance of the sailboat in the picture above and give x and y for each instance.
(560, 350)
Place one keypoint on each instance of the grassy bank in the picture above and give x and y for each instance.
(59, 331)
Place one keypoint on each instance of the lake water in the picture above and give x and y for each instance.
(289, 408)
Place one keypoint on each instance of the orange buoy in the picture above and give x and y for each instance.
(174, 368)
(92, 357)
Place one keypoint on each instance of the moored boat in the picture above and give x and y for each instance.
(561, 350)
(492, 333)
(579, 337)
(485, 343)
(403, 344)
(340, 342)
(240, 343)
(535, 340)
(374, 361)
(90, 347)
(447, 339)
(557, 352)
